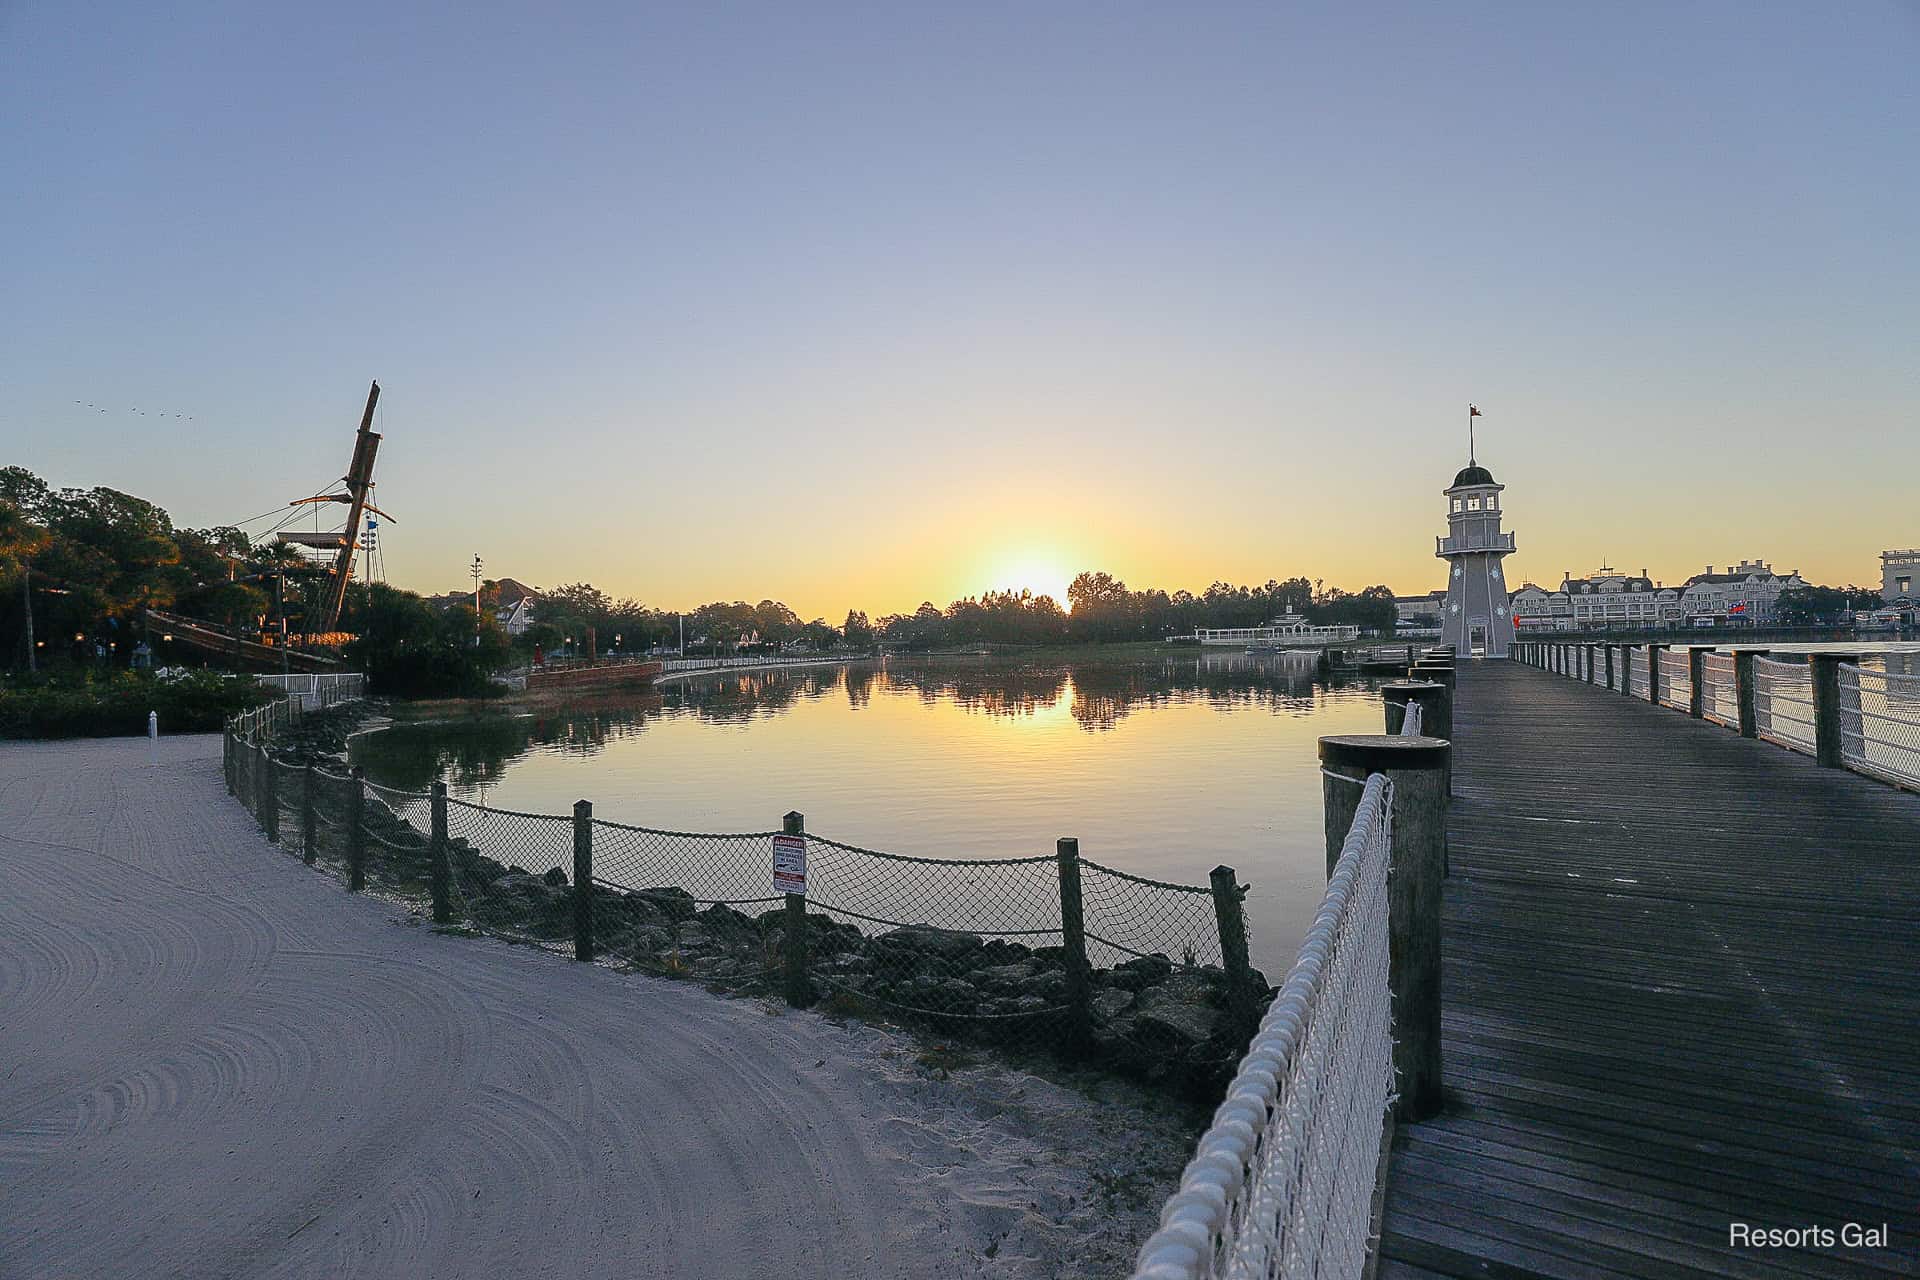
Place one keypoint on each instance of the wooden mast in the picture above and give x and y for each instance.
(359, 479)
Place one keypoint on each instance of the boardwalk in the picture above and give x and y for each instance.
(1681, 993)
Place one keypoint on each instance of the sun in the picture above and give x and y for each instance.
(1041, 572)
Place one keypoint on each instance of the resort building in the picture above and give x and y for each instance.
(1746, 594)
(1899, 574)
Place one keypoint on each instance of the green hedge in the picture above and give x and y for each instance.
(108, 705)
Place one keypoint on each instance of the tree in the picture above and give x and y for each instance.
(857, 631)
(20, 541)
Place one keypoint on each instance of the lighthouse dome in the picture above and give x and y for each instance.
(1472, 475)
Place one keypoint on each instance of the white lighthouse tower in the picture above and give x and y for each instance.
(1477, 622)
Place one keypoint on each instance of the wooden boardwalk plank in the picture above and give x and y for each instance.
(1682, 978)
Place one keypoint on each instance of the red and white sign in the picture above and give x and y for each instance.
(790, 864)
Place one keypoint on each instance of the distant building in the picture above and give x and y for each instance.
(513, 606)
(1604, 598)
(1742, 595)
(1420, 611)
(1899, 571)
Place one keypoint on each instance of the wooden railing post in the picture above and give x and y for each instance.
(1696, 673)
(269, 796)
(439, 871)
(1828, 745)
(799, 990)
(308, 827)
(1609, 656)
(1653, 673)
(1743, 688)
(583, 880)
(1073, 941)
(226, 754)
(1415, 766)
(356, 830)
(1243, 1007)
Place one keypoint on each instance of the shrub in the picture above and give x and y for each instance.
(98, 705)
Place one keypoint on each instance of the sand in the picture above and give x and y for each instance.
(215, 1062)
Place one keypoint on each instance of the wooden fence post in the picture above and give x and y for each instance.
(439, 872)
(1415, 766)
(1696, 678)
(269, 796)
(1743, 689)
(1609, 656)
(799, 989)
(583, 880)
(226, 753)
(1828, 743)
(1653, 673)
(1243, 1008)
(1073, 941)
(308, 827)
(356, 830)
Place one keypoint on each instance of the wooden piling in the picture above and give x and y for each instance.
(1415, 766)
(269, 795)
(1743, 689)
(1828, 743)
(1243, 1001)
(356, 830)
(583, 880)
(1073, 941)
(308, 826)
(439, 869)
(799, 990)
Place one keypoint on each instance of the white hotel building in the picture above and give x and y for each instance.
(1742, 595)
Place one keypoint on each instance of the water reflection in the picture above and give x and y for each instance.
(472, 753)
(1165, 767)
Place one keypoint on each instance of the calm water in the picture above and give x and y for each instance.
(1165, 768)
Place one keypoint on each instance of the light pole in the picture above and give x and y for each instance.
(474, 570)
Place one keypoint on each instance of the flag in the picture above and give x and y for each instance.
(1737, 608)
(1473, 412)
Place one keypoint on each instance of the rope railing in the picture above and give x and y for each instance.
(1719, 695)
(1880, 724)
(1783, 703)
(979, 946)
(1282, 1181)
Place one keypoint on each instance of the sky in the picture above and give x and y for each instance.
(860, 305)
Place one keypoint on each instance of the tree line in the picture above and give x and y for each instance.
(79, 568)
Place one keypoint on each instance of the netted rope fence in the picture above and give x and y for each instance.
(1281, 1182)
(978, 948)
(1783, 703)
(1719, 697)
(1676, 679)
(1880, 723)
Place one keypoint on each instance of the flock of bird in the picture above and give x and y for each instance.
(142, 412)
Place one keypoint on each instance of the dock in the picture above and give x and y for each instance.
(1681, 975)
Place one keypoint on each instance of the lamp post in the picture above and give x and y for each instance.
(474, 570)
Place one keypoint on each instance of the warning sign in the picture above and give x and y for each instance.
(789, 864)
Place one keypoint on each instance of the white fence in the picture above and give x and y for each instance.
(1282, 1182)
(315, 690)
(1880, 724)
(1783, 703)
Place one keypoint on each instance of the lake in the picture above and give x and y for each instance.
(1164, 767)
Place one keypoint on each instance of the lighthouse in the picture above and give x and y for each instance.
(1477, 621)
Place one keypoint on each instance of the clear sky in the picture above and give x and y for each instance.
(860, 305)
